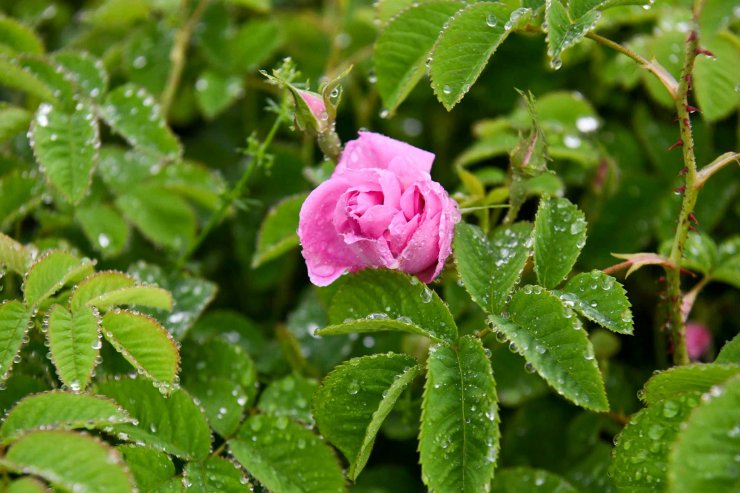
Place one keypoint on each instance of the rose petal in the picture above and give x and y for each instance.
(441, 213)
(376, 220)
(327, 256)
(371, 252)
(400, 231)
(373, 150)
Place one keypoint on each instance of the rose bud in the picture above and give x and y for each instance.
(698, 340)
(379, 209)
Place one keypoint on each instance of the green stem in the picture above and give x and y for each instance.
(690, 193)
(707, 171)
(228, 200)
(178, 52)
(654, 67)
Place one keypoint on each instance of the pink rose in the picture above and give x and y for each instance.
(380, 208)
(698, 340)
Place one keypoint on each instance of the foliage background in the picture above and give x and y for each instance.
(143, 218)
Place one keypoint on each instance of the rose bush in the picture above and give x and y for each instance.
(380, 208)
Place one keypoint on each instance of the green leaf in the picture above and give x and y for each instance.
(552, 340)
(686, 379)
(356, 397)
(223, 402)
(715, 78)
(601, 299)
(160, 215)
(258, 5)
(125, 169)
(254, 43)
(559, 235)
(704, 457)
(66, 147)
(87, 72)
(13, 255)
(290, 396)
(117, 14)
(50, 273)
(15, 77)
(74, 344)
(222, 377)
(19, 386)
(277, 233)
(403, 47)
(105, 228)
(563, 33)
(215, 475)
(144, 343)
(150, 468)
(134, 114)
(20, 194)
(56, 456)
(466, 44)
(578, 8)
(215, 92)
(728, 264)
(730, 352)
(286, 457)
(13, 120)
(191, 296)
(26, 484)
(193, 181)
(458, 439)
(15, 322)
(17, 38)
(641, 454)
(150, 296)
(172, 424)
(376, 300)
(54, 78)
(96, 285)
(525, 480)
(515, 385)
(700, 252)
(490, 269)
(61, 410)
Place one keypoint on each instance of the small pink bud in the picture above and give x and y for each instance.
(698, 340)
(315, 103)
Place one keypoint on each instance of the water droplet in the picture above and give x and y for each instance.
(426, 295)
(491, 20)
(572, 141)
(354, 387)
(446, 89)
(556, 63)
(139, 62)
(587, 124)
(670, 409)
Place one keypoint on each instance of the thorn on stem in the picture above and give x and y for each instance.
(678, 143)
(692, 109)
(690, 81)
(680, 189)
(692, 218)
(702, 51)
(692, 36)
(683, 171)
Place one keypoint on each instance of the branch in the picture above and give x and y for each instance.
(716, 165)
(665, 78)
(177, 54)
(690, 190)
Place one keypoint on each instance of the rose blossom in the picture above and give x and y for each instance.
(380, 208)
